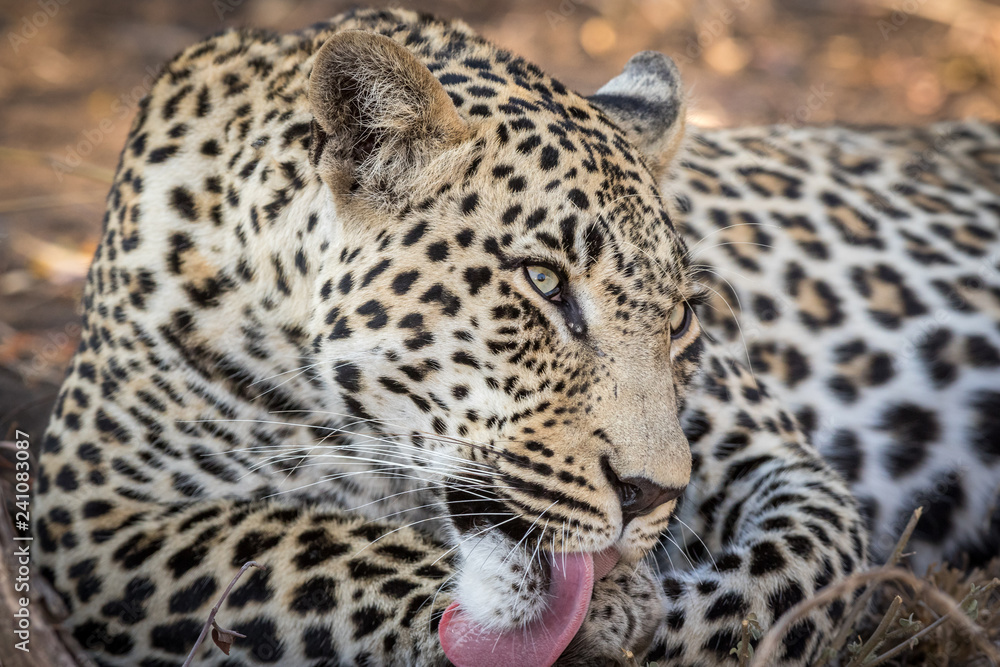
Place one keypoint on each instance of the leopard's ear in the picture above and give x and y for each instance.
(381, 119)
(647, 101)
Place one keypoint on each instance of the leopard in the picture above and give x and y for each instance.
(403, 353)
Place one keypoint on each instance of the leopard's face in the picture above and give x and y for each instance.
(508, 318)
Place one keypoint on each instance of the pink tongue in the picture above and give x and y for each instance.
(542, 642)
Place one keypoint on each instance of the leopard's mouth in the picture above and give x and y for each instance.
(539, 644)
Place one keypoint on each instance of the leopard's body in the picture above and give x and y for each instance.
(309, 340)
(866, 265)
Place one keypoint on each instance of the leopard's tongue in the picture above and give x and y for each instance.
(540, 643)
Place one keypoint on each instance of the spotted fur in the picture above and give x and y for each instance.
(869, 299)
(308, 340)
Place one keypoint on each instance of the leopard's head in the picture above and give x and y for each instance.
(509, 313)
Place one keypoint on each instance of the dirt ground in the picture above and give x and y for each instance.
(73, 71)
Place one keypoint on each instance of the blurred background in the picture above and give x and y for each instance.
(73, 71)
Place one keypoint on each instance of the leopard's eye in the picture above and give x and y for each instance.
(545, 280)
(680, 320)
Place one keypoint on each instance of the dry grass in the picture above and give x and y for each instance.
(949, 617)
(921, 634)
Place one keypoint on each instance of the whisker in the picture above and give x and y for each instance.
(482, 532)
(421, 489)
(722, 229)
(335, 430)
(531, 560)
(385, 467)
(430, 618)
(413, 509)
(374, 475)
(342, 431)
(278, 375)
(739, 327)
(682, 551)
(695, 533)
(284, 382)
(389, 450)
(437, 518)
(530, 528)
(728, 243)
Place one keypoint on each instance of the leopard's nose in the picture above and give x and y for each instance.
(638, 496)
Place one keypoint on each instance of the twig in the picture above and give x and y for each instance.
(744, 650)
(765, 653)
(210, 623)
(861, 603)
(896, 650)
(878, 637)
(904, 538)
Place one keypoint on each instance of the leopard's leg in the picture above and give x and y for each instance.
(765, 524)
(337, 589)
